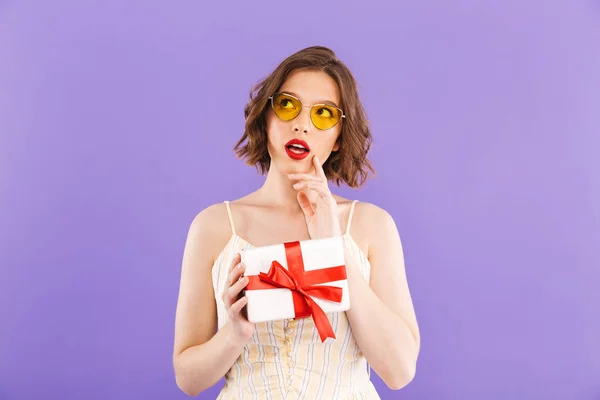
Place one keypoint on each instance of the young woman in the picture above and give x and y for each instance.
(305, 127)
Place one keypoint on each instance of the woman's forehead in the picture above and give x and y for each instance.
(312, 87)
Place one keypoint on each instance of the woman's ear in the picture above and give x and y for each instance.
(336, 146)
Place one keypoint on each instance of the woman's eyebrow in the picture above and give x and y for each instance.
(329, 102)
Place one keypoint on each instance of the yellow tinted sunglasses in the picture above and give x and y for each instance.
(288, 107)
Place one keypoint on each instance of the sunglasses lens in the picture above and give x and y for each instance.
(286, 107)
(325, 117)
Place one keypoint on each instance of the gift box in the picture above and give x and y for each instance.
(297, 280)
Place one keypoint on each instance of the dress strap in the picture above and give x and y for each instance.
(350, 216)
(230, 217)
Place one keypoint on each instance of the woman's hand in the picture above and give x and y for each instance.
(322, 218)
(240, 326)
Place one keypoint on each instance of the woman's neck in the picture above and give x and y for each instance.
(278, 190)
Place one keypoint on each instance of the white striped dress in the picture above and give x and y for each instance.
(286, 359)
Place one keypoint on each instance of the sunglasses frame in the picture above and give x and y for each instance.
(302, 107)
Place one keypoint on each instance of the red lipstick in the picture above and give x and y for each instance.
(297, 149)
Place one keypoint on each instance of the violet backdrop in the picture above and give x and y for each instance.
(117, 122)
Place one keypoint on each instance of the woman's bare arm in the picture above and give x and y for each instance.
(201, 355)
(381, 311)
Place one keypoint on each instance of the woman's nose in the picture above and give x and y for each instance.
(303, 122)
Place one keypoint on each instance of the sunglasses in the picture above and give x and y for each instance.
(288, 107)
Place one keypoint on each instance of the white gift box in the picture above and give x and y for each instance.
(312, 263)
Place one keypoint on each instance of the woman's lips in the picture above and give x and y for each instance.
(296, 154)
(297, 149)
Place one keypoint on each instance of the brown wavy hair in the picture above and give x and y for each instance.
(349, 164)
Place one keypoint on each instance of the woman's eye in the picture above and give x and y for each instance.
(324, 112)
(286, 103)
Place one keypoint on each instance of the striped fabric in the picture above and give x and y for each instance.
(286, 359)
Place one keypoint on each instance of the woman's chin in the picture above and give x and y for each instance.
(286, 165)
(298, 168)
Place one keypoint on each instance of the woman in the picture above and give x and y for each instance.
(305, 126)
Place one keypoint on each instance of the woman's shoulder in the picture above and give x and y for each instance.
(364, 212)
(211, 226)
(371, 212)
(369, 222)
(211, 217)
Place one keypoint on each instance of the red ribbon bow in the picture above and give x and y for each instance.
(303, 285)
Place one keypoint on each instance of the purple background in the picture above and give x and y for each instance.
(117, 121)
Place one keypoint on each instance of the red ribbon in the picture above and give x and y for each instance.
(303, 285)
